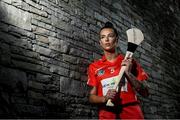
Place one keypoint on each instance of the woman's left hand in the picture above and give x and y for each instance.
(128, 63)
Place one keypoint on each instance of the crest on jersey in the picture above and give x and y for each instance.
(101, 72)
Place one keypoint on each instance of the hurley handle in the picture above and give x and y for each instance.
(123, 68)
(121, 73)
(135, 37)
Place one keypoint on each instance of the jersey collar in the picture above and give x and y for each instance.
(104, 58)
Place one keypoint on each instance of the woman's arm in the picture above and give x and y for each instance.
(94, 98)
(140, 86)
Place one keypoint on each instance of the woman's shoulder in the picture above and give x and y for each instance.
(96, 62)
(121, 55)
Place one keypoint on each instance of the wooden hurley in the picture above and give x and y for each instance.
(135, 37)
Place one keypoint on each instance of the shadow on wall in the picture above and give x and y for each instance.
(165, 30)
(6, 108)
(13, 80)
(23, 76)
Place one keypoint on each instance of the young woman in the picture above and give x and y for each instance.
(100, 78)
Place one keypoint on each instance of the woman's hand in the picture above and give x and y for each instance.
(110, 94)
(113, 95)
(128, 63)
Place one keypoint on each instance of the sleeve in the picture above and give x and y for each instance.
(91, 76)
(140, 73)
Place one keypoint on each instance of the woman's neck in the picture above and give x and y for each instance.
(111, 57)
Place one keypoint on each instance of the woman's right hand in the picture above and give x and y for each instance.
(110, 94)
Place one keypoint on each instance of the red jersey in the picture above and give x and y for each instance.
(101, 74)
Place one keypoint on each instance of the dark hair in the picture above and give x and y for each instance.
(110, 25)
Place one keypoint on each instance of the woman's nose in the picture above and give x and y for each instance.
(107, 38)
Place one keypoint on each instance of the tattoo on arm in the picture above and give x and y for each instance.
(132, 79)
(140, 86)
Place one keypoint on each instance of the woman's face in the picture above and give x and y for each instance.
(108, 39)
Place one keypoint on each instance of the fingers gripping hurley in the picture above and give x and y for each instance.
(135, 37)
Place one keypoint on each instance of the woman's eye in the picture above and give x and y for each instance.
(101, 37)
(111, 35)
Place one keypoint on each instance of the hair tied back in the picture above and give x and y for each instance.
(109, 25)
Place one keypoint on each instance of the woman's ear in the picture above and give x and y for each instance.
(100, 42)
(116, 41)
(117, 38)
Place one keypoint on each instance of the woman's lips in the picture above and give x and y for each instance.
(107, 44)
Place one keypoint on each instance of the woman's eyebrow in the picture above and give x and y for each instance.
(108, 33)
(102, 35)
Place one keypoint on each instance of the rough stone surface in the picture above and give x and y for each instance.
(47, 45)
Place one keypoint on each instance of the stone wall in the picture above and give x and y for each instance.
(47, 45)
